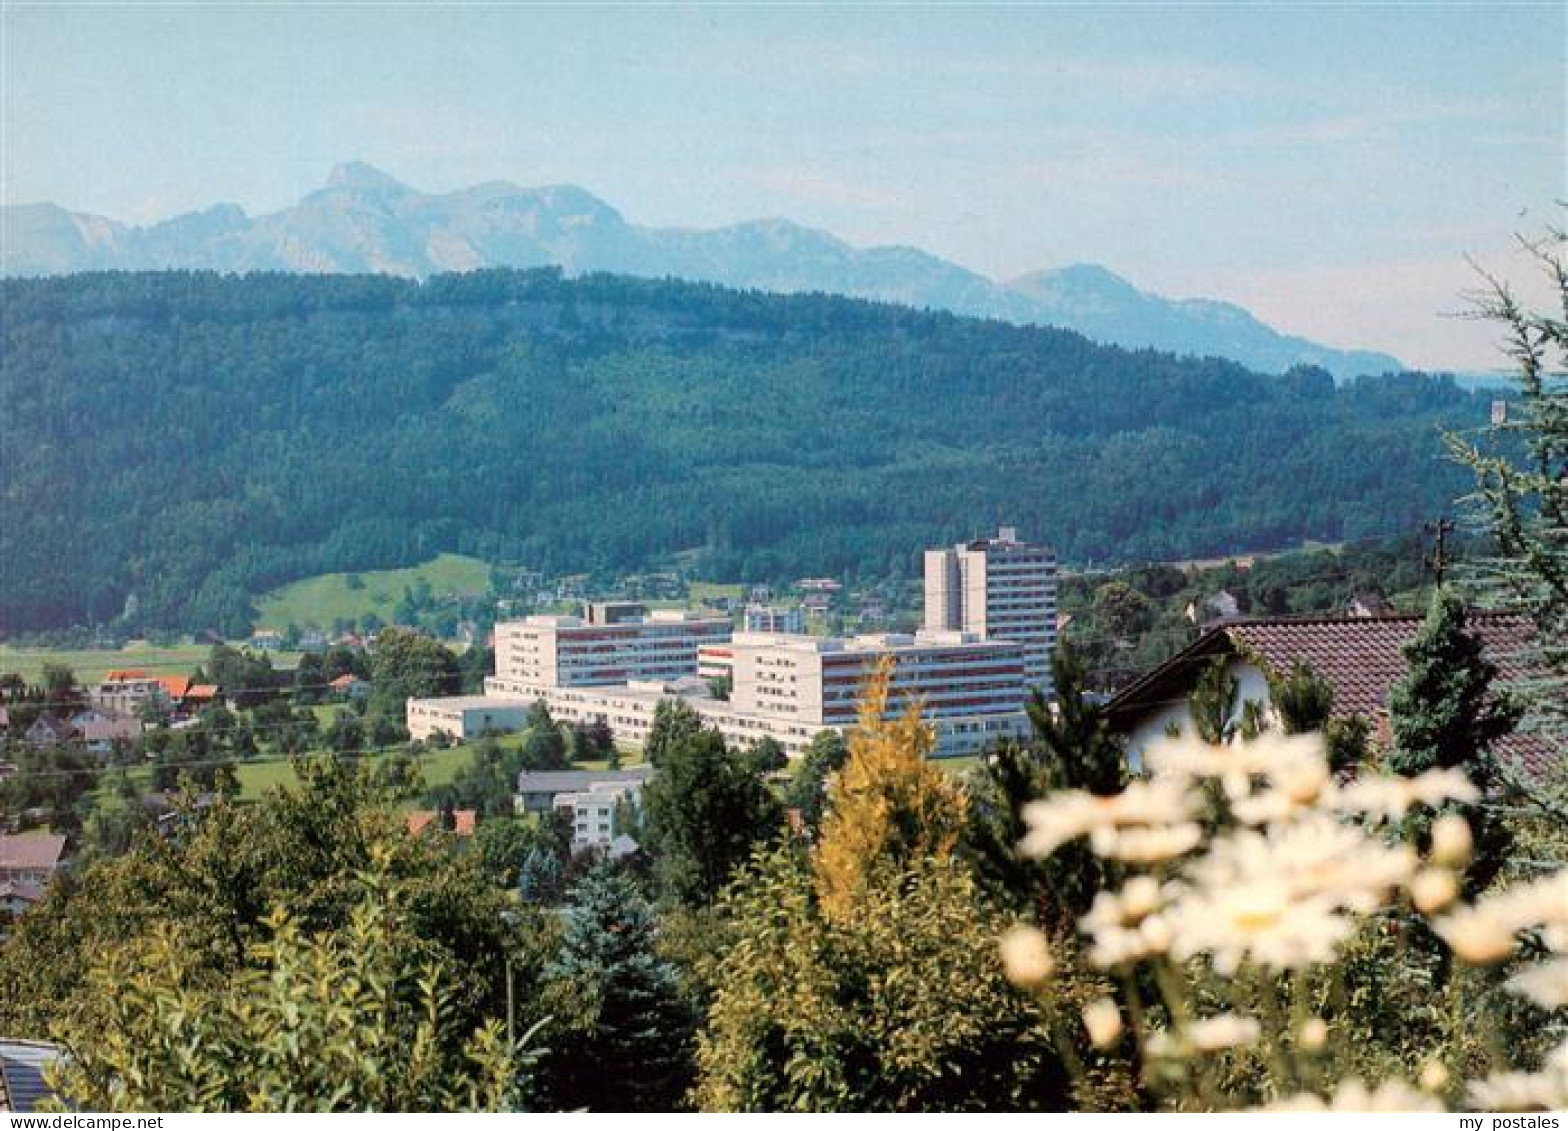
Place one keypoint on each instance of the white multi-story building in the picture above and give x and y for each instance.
(127, 692)
(775, 618)
(790, 688)
(603, 649)
(999, 589)
(593, 811)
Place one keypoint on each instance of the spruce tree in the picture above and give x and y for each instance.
(1522, 503)
(1444, 712)
(1213, 702)
(622, 1034)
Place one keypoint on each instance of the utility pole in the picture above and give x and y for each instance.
(1442, 528)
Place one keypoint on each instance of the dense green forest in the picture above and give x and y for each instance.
(192, 439)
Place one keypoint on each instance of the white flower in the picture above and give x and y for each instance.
(1451, 840)
(1483, 932)
(1026, 956)
(1316, 856)
(1146, 846)
(1103, 1020)
(1294, 763)
(1070, 814)
(1353, 1095)
(1434, 1077)
(1258, 921)
(1477, 936)
(1546, 1090)
(1392, 797)
(1211, 1034)
(1125, 925)
(1314, 1034)
(1546, 983)
(1433, 889)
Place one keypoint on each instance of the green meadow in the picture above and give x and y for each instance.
(329, 597)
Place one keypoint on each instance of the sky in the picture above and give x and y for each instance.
(1329, 167)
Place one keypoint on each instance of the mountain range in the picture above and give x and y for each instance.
(365, 221)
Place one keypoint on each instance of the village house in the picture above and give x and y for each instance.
(128, 693)
(99, 729)
(48, 731)
(1361, 658)
(30, 858)
(537, 790)
(464, 821)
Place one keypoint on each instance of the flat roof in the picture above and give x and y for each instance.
(475, 702)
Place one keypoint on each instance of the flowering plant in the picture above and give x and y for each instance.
(1248, 884)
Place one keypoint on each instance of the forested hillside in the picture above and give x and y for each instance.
(192, 439)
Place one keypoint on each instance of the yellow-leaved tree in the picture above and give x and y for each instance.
(889, 804)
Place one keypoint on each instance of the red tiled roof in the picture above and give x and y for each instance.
(175, 685)
(121, 677)
(1360, 657)
(202, 691)
(345, 681)
(31, 851)
(464, 821)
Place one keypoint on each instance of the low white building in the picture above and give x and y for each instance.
(465, 716)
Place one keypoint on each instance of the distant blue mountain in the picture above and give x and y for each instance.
(364, 220)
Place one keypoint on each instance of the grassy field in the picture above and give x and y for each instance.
(91, 665)
(329, 597)
(438, 766)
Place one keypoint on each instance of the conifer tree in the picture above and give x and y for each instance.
(1071, 748)
(622, 1037)
(1444, 712)
(1523, 503)
(1213, 702)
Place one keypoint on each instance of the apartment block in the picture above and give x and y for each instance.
(613, 645)
(997, 589)
(775, 618)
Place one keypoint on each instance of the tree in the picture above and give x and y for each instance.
(623, 1029)
(675, 724)
(1304, 704)
(541, 876)
(1445, 714)
(300, 849)
(345, 735)
(408, 665)
(807, 791)
(1521, 494)
(1213, 702)
(503, 843)
(704, 810)
(1071, 747)
(1303, 700)
(897, 1005)
(354, 1019)
(766, 756)
(888, 803)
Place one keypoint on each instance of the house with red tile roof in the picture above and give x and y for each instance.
(464, 821)
(30, 858)
(175, 685)
(1361, 657)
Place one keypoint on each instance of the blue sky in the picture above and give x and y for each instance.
(1328, 167)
